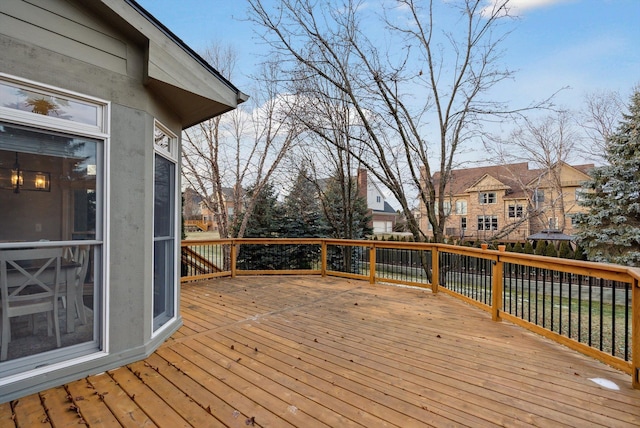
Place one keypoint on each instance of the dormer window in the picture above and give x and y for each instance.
(487, 198)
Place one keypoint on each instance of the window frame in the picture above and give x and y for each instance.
(170, 154)
(99, 347)
(515, 211)
(487, 220)
(487, 198)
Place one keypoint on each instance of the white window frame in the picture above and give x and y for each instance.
(102, 132)
(172, 155)
(461, 207)
(487, 198)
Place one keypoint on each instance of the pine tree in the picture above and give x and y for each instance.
(302, 210)
(610, 230)
(565, 251)
(265, 222)
(550, 251)
(528, 248)
(303, 219)
(347, 217)
(541, 248)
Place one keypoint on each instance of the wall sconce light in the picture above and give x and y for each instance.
(18, 179)
(42, 181)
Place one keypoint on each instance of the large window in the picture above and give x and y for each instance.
(52, 175)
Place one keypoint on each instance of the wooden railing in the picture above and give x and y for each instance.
(593, 308)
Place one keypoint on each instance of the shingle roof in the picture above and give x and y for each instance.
(515, 178)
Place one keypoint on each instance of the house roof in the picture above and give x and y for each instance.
(511, 177)
(550, 235)
(176, 73)
(514, 178)
(388, 209)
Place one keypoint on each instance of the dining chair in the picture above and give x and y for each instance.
(29, 285)
(81, 258)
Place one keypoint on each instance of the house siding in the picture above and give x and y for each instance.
(91, 49)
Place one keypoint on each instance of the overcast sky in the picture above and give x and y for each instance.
(587, 45)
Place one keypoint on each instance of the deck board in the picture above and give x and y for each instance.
(296, 351)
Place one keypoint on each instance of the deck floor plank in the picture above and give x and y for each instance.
(60, 407)
(155, 407)
(243, 407)
(571, 393)
(127, 412)
(29, 412)
(90, 405)
(296, 351)
(6, 415)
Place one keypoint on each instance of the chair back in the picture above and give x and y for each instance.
(28, 274)
(81, 257)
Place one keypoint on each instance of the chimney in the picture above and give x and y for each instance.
(362, 183)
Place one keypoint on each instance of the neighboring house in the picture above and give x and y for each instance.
(227, 204)
(191, 204)
(383, 216)
(94, 95)
(509, 202)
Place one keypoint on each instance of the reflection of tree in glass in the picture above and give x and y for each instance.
(45, 105)
(42, 106)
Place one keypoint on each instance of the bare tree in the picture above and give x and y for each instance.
(415, 103)
(326, 152)
(599, 119)
(223, 155)
(546, 144)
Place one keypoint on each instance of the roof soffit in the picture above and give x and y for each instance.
(179, 76)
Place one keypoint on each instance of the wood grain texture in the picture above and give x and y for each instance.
(302, 351)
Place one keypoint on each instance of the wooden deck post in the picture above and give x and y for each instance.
(496, 289)
(635, 333)
(323, 258)
(435, 269)
(372, 264)
(234, 257)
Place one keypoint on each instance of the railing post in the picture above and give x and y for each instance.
(323, 258)
(372, 264)
(435, 269)
(635, 334)
(234, 256)
(496, 289)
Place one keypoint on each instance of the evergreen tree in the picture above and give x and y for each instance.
(517, 248)
(579, 253)
(303, 219)
(346, 212)
(528, 248)
(610, 230)
(265, 222)
(550, 250)
(565, 251)
(347, 217)
(302, 210)
(541, 248)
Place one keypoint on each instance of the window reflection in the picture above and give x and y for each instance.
(47, 104)
(68, 209)
(31, 221)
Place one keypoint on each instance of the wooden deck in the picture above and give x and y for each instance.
(312, 352)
